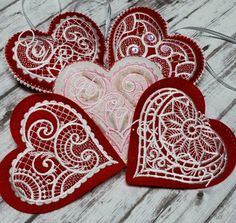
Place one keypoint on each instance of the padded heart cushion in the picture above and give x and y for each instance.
(143, 32)
(61, 154)
(173, 144)
(36, 58)
(109, 96)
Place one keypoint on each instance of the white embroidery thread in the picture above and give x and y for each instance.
(61, 154)
(109, 97)
(138, 34)
(43, 57)
(176, 141)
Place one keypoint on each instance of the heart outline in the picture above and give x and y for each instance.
(108, 75)
(200, 60)
(43, 85)
(15, 125)
(220, 128)
(47, 87)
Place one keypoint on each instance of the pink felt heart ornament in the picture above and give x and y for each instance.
(109, 96)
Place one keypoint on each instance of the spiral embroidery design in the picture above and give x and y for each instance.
(109, 97)
(61, 154)
(43, 57)
(140, 34)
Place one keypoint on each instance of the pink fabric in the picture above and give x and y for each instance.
(109, 97)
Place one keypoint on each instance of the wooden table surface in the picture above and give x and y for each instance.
(114, 201)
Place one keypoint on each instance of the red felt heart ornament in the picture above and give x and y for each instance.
(61, 154)
(173, 144)
(36, 58)
(143, 32)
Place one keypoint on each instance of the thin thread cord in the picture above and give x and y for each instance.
(108, 16)
(213, 74)
(28, 19)
(106, 27)
(108, 19)
(220, 36)
(209, 31)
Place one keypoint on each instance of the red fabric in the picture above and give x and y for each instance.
(43, 85)
(183, 52)
(17, 116)
(224, 133)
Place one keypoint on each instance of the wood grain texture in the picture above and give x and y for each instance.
(114, 201)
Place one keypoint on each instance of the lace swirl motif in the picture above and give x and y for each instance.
(43, 57)
(176, 141)
(61, 154)
(140, 35)
(109, 99)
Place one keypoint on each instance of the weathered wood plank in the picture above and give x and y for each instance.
(4, 4)
(6, 136)
(213, 99)
(217, 98)
(171, 7)
(107, 198)
(16, 216)
(226, 212)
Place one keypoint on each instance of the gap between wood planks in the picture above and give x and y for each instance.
(5, 68)
(17, 84)
(227, 197)
(163, 208)
(9, 91)
(219, 206)
(199, 195)
(6, 116)
(7, 6)
(224, 112)
(52, 16)
(159, 211)
(49, 17)
(226, 211)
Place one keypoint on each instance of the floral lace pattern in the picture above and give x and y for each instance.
(176, 141)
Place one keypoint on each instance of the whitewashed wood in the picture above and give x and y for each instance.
(17, 23)
(226, 212)
(114, 201)
(138, 215)
(187, 206)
